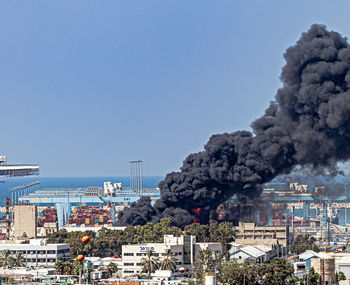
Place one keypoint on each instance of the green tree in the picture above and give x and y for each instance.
(303, 243)
(223, 233)
(169, 261)
(59, 266)
(200, 231)
(164, 227)
(18, 260)
(112, 268)
(58, 237)
(293, 280)
(77, 265)
(149, 263)
(276, 271)
(341, 276)
(230, 272)
(67, 268)
(207, 261)
(311, 278)
(5, 258)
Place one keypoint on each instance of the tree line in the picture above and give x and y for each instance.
(108, 242)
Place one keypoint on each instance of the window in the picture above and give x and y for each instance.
(139, 264)
(128, 271)
(140, 254)
(128, 254)
(128, 264)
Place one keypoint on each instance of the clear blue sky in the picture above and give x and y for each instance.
(86, 86)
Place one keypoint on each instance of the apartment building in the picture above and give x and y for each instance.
(38, 253)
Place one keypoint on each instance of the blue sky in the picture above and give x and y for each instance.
(87, 86)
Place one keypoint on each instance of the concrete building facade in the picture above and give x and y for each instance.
(38, 253)
(251, 234)
(185, 251)
(324, 265)
(25, 221)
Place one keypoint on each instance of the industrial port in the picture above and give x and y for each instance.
(305, 211)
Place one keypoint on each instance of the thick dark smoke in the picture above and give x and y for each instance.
(308, 125)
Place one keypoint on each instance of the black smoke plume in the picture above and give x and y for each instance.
(308, 125)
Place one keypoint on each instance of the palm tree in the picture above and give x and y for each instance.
(77, 266)
(5, 258)
(59, 267)
(18, 260)
(150, 263)
(169, 261)
(67, 268)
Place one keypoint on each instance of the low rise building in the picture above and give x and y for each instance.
(251, 234)
(185, 249)
(248, 253)
(47, 229)
(38, 253)
(25, 275)
(258, 253)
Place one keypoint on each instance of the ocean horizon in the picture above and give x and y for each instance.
(73, 182)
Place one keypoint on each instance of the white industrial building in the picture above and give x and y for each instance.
(38, 253)
(250, 253)
(184, 248)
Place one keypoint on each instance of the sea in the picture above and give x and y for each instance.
(73, 182)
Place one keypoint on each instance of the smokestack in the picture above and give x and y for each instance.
(307, 125)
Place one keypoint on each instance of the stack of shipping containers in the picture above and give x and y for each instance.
(90, 216)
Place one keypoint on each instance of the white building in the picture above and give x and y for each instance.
(184, 248)
(250, 253)
(343, 265)
(39, 253)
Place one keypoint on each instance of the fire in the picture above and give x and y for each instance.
(197, 211)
